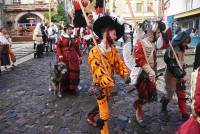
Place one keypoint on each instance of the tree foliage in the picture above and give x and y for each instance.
(61, 14)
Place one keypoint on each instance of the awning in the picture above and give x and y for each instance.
(188, 13)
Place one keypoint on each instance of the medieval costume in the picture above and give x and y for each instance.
(68, 52)
(175, 77)
(192, 126)
(104, 59)
(79, 20)
(145, 58)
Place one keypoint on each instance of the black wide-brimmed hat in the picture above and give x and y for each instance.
(106, 21)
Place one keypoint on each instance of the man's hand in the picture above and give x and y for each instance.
(95, 90)
(151, 73)
(152, 78)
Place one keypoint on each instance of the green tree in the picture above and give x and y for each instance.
(61, 14)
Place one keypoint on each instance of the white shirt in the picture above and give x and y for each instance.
(103, 48)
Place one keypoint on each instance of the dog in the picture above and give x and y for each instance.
(57, 78)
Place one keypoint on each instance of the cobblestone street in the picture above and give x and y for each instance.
(26, 105)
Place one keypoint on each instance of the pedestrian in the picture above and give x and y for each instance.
(10, 51)
(145, 57)
(103, 64)
(176, 77)
(44, 35)
(52, 35)
(192, 125)
(197, 57)
(38, 41)
(5, 58)
(68, 52)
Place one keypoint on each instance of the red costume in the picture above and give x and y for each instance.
(192, 126)
(144, 86)
(144, 51)
(69, 49)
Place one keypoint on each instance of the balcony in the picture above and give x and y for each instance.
(28, 7)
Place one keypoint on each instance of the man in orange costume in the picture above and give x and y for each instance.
(103, 66)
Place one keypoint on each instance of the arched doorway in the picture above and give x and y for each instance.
(26, 22)
(28, 19)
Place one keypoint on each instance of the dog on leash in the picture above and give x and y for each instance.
(57, 78)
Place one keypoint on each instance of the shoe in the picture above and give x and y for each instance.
(91, 121)
(50, 89)
(185, 117)
(91, 117)
(139, 114)
(59, 94)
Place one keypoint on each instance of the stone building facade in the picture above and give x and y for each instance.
(25, 12)
(143, 9)
(1, 13)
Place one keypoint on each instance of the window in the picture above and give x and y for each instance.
(16, 1)
(139, 7)
(149, 7)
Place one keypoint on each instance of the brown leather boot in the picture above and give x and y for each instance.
(91, 117)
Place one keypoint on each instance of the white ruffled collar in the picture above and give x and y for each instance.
(103, 48)
(67, 35)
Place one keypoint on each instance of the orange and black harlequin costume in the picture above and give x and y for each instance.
(103, 79)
